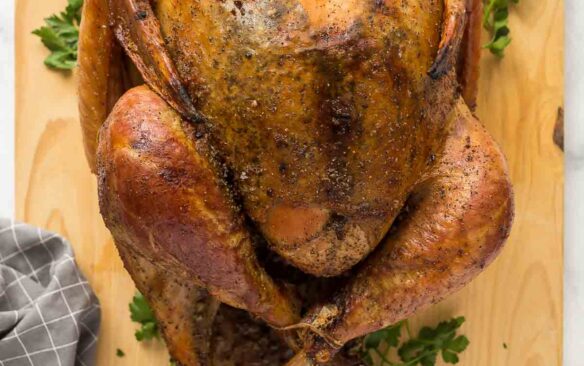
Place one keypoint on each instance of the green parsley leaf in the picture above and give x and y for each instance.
(459, 344)
(140, 312)
(496, 21)
(449, 356)
(373, 342)
(390, 335)
(421, 350)
(427, 360)
(60, 35)
(120, 353)
(410, 350)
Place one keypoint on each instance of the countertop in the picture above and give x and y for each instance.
(574, 161)
(6, 108)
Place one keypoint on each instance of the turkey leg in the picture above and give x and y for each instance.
(457, 220)
(161, 196)
(184, 311)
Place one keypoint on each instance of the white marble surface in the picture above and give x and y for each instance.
(6, 107)
(574, 199)
(574, 207)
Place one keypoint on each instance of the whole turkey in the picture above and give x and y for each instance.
(312, 162)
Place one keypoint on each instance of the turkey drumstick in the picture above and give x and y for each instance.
(161, 197)
(456, 221)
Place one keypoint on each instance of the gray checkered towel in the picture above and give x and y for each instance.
(48, 313)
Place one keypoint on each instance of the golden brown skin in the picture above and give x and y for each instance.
(470, 53)
(305, 101)
(333, 129)
(100, 73)
(160, 195)
(139, 33)
(454, 225)
(185, 312)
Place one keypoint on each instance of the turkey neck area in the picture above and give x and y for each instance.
(321, 104)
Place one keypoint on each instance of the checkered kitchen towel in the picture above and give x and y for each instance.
(49, 315)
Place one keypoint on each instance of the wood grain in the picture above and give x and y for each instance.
(517, 301)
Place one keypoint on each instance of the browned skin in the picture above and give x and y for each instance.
(320, 121)
(100, 73)
(454, 225)
(161, 196)
(184, 311)
(470, 53)
(452, 32)
(305, 102)
(138, 31)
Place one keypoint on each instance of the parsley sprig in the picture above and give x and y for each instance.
(60, 35)
(140, 312)
(421, 350)
(496, 20)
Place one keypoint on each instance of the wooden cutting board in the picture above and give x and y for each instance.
(516, 301)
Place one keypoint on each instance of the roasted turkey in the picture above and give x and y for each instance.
(312, 162)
